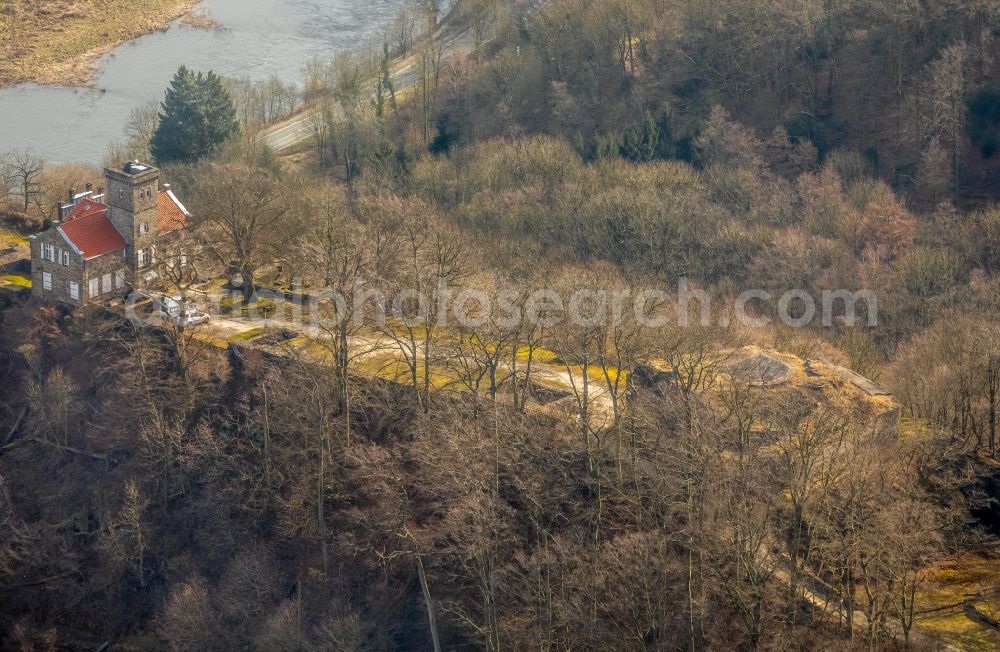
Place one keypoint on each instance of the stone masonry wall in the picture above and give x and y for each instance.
(78, 270)
(98, 268)
(131, 200)
(62, 275)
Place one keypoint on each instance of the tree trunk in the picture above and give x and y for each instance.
(321, 502)
(249, 284)
(431, 620)
(993, 385)
(427, 370)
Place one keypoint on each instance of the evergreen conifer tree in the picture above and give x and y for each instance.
(197, 117)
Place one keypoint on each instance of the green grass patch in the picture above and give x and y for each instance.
(11, 239)
(17, 280)
(310, 347)
(233, 304)
(917, 429)
(215, 285)
(949, 584)
(540, 355)
(389, 366)
(217, 342)
(247, 335)
(596, 374)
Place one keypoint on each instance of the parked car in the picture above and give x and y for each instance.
(174, 310)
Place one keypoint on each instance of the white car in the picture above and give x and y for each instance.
(182, 314)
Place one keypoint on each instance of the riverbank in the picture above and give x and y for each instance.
(60, 41)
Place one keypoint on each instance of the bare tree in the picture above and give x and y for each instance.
(139, 129)
(188, 620)
(351, 122)
(183, 262)
(343, 256)
(12, 536)
(429, 61)
(125, 536)
(745, 513)
(321, 122)
(808, 441)
(430, 263)
(317, 402)
(26, 169)
(8, 180)
(55, 409)
(482, 15)
(56, 180)
(403, 28)
(625, 345)
(942, 103)
(316, 79)
(246, 216)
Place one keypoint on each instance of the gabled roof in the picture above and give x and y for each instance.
(89, 231)
(86, 208)
(170, 212)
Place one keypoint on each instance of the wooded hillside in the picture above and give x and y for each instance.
(350, 484)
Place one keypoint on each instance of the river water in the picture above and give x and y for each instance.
(257, 39)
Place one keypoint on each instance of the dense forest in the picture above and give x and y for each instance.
(163, 489)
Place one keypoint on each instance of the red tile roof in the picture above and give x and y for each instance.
(88, 228)
(86, 208)
(170, 213)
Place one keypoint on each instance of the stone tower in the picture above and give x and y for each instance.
(131, 199)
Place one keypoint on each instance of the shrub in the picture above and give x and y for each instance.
(928, 272)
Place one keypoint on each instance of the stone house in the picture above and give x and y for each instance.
(105, 244)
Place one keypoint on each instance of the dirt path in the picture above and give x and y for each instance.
(373, 344)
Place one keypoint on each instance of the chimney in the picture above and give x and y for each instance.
(72, 195)
(166, 186)
(100, 195)
(90, 187)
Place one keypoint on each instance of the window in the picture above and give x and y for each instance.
(120, 279)
(121, 194)
(49, 253)
(141, 258)
(65, 258)
(184, 260)
(106, 283)
(94, 288)
(143, 228)
(74, 291)
(46, 280)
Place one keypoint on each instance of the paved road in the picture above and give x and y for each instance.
(284, 136)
